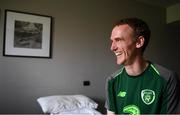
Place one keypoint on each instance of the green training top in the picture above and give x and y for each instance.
(152, 92)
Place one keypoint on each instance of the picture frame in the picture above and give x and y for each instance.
(27, 35)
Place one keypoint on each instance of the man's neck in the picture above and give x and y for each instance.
(137, 67)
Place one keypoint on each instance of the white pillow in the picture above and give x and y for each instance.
(61, 103)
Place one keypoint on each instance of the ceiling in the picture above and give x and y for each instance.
(162, 3)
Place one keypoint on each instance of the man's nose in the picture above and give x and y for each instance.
(113, 47)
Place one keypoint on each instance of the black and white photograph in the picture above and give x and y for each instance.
(27, 34)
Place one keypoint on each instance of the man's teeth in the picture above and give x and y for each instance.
(118, 53)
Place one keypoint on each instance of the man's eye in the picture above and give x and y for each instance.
(118, 39)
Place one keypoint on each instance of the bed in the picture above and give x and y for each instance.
(68, 105)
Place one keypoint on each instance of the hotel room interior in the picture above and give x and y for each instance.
(79, 58)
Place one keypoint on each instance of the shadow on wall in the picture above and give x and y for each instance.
(101, 105)
(172, 42)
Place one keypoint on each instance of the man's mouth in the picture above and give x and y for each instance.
(118, 53)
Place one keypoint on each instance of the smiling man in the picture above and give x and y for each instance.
(139, 86)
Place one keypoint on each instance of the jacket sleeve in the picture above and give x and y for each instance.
(170, 97)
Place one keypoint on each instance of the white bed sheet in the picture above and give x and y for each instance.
(82, 111)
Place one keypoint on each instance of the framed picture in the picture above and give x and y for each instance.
(27, 34)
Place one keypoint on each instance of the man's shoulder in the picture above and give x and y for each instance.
(116, 73)
(164, 72)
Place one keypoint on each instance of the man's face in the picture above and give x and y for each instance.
(123, 44)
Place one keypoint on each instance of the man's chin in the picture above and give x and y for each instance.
(119, 62)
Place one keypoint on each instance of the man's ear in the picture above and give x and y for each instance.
(140, 42)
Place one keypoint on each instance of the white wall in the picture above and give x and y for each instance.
(81, 50)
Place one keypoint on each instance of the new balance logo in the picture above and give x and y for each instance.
(122, 94)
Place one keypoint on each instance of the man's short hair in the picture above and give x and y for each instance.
(140, 29)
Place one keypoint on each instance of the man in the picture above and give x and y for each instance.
(139, 86)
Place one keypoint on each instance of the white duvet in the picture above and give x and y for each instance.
(82, 111)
